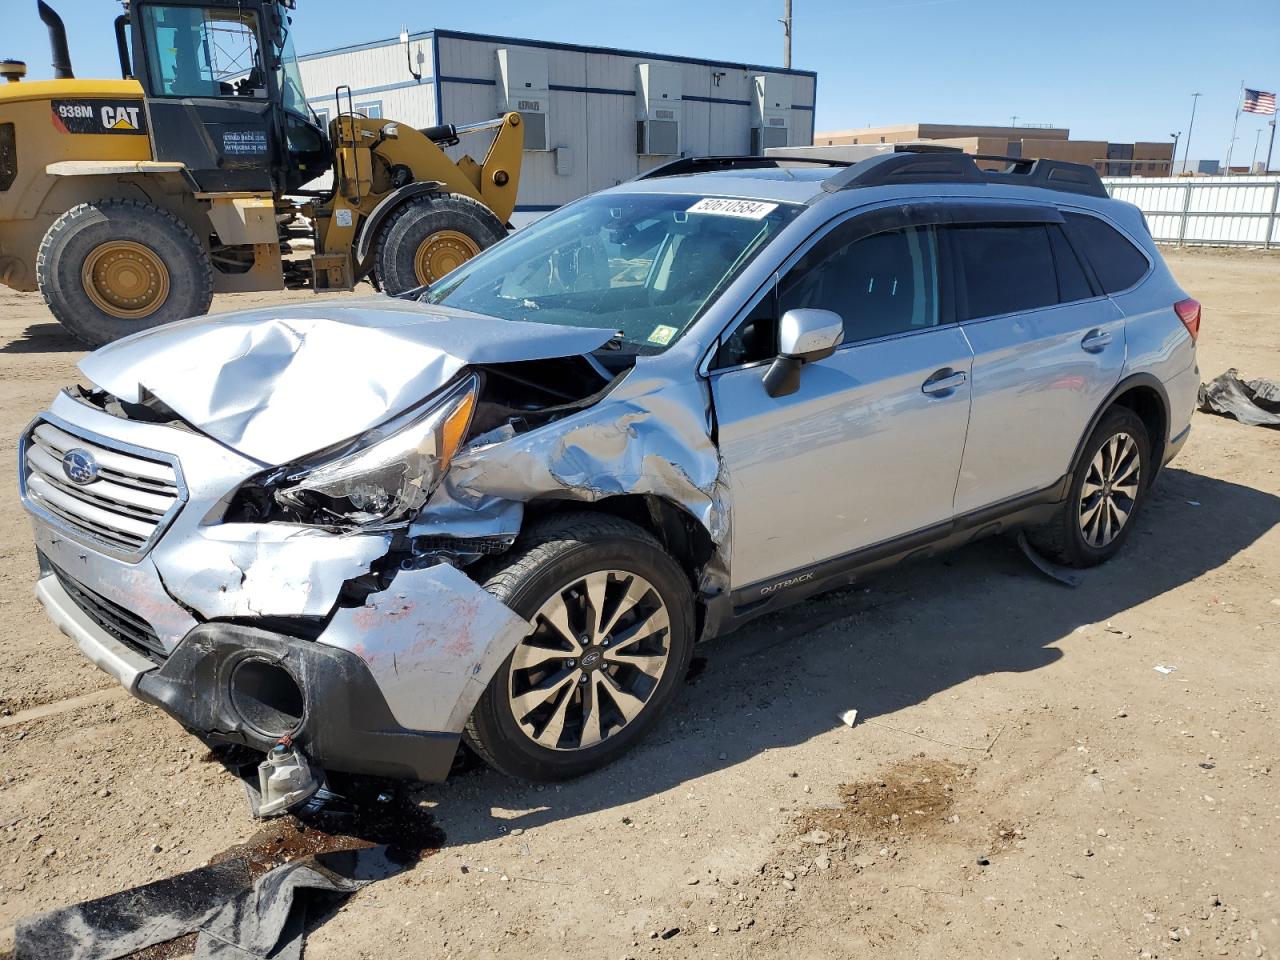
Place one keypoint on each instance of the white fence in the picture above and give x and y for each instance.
(1217, 211)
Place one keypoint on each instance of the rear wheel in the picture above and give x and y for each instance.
(1107, 489)
(430, 236)
(611, 643)
(114, 267)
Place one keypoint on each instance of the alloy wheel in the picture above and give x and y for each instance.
(598, 651)
(1110, 490)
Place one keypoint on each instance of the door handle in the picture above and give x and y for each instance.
(944, 382)
(1095, 340)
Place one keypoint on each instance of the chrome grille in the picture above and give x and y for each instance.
(135, 495)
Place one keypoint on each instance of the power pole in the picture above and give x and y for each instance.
(1174, 158)
(1186, 149)
(1257, 138)
(786, 33)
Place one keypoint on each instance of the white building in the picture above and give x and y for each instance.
(594, 116)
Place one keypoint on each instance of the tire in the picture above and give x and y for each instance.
(114, 267)
(550, 564)
(428, 236)
(1078, 537)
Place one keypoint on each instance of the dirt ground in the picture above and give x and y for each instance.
(1022, 781)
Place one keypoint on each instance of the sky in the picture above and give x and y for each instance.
(1118, 71)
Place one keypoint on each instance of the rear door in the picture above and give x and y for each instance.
(868, 449)
(1048, 348)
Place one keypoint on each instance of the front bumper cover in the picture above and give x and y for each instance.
(346, 723)
(386, 687)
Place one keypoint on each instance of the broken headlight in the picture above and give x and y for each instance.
(389, 474)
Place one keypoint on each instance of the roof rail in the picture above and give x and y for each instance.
(683, 165)
(937, 163)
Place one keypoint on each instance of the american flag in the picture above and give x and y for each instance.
(1259, 101)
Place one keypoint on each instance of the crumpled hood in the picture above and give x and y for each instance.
(279, 383)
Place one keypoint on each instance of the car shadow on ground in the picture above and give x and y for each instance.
(44, 338)
(786, 678)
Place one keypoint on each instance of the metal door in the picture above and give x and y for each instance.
(867, 449)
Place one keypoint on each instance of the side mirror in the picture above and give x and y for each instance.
(804, 336)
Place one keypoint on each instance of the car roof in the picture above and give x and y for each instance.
(784, 185)
(873, 180)
(813, 184)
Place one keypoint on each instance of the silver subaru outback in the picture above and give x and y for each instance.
(354, 533)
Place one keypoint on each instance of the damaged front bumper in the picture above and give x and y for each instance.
(245, 633)
(384, 689)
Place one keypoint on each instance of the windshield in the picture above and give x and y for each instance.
(643, 265)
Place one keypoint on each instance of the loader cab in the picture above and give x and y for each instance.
(224, 93)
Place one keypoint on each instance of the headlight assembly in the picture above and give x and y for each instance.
(390, 473)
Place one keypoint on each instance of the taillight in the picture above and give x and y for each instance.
(1188, 312)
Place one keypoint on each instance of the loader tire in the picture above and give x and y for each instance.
(429, 236)
(114, 267)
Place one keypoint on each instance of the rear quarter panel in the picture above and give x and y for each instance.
(1156, 339)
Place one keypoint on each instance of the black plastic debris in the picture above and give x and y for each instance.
(234, 916)
(1046, 566)
(1253, 402)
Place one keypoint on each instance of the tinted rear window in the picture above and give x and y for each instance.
(1006, 268)
(1116, 261)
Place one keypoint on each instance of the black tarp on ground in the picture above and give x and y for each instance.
(235, 916)
(1255, 402)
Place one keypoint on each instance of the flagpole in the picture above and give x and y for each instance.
(1271, 144)
(1186, 146)
(1234, 125)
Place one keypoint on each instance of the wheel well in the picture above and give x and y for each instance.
(1149, 405)
(683, 537)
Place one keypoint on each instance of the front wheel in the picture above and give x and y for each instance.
(611, 643)
(429, 236)
(1108, 487)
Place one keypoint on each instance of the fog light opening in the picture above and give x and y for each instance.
(266, 697)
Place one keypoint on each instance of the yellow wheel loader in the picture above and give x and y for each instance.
(128, 203)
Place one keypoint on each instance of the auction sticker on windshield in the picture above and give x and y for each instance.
(727, 207)
(662, 334)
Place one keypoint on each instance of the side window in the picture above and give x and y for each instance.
(1116, 261)
(198, 52)
(755, 339)
(1006, 268)
(1073, 284)
(880, 285)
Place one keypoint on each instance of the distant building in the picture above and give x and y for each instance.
(1054, 143)
(1209, 168)
(593, 116)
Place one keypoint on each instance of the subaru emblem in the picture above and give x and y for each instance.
(80, 467)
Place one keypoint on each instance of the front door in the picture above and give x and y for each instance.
(869, 447)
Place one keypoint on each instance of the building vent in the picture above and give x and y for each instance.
(659, 92)
(523, 87)
(764, 138)
(658, 138)
(770, 112)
